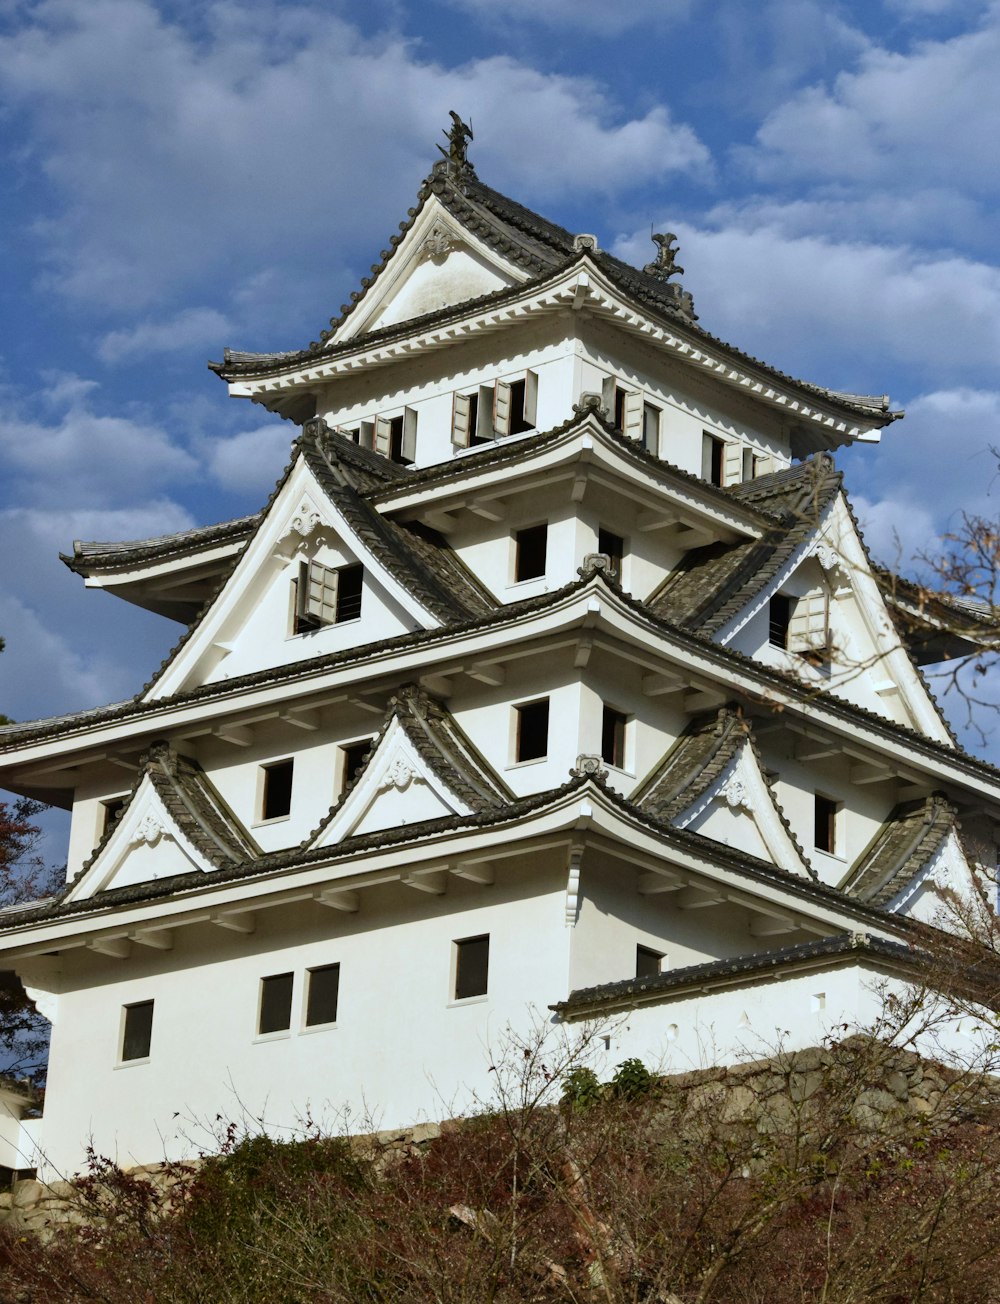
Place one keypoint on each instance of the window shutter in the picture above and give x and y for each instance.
(707, 449)
(383, 436)
(808, 628)
(763, 466)
(501, 408)
(366, 434)
(608, 388)
(408, 448)
(530, 399)
(321, 597)
(302, 596)
(484, 415)
(732, 467)
(460, 432)
(632, 423)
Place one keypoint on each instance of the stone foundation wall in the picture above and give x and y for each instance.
(888, 1087)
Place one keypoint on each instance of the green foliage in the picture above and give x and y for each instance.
(581, 1088)
(632, 1080)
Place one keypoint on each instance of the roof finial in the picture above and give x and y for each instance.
(665, 266)
(666, 257)
(459, 135)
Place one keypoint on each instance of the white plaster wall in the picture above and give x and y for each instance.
(433, 285)
(401, 1049)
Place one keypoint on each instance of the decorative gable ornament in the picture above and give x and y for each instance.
(438, 243)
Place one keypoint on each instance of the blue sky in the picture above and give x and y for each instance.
(181, 177)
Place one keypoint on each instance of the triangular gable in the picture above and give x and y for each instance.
(844, 637)
(712, 783)
(316, 515)
(439, 262)
(421, 767)
(915, 863)
(173, 823)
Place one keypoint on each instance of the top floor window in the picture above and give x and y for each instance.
(713, 451)
(509, 407)
(393, 437)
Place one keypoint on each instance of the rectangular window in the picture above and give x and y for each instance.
(809, 625)
(648, 963)
(779, 615)
(530, 548)
(825, 836)
(472, 417)
(276, 790)
(532, 730)
(396, 437)
(613, 547)
(352, 757)
(137, 1030)
(748, 464)
(613, 737)
(322, 991)
(324, 596)
(713, 452)
(472, 966)
(275, 1004)
(514, 405)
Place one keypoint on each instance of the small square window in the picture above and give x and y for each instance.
(779, 616)
(532, 730)
(530, 547)
(275, 1014)
(322, 992)
(613, 737)
(648, 963)
(825, 835)
(137, 1030)
(324, 596)
(276, 790)
(472, 965)
(613, 547)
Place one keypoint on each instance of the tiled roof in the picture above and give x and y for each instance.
(89, 557)
(714, 583)
(700, 755)
(736, 969)
(539, 247)
(903, 846)
(196, 805)
(443, 744)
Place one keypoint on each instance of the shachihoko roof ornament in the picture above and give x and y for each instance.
(665, 265)
(456, 156)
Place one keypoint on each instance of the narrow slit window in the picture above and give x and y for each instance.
(111, 812)
(530, 548)
(613, 737)
(613, 547)
(713, 452)
(352, 757)
(648, 963)
(472, 967)
(825, 835)
(137, 1030)
(276, 790)
(275, 1013)
(532, 730)
(322, 994)
(779, 616)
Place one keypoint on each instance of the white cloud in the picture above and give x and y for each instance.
(815, 306)
(83, 457)
(931, 114)
(274, 124)
(189, 329)
(251, 461)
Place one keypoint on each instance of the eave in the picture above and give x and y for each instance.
(819, 418)
(587, 613)
(582, 816)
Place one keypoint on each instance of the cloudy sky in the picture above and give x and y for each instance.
(183, 176)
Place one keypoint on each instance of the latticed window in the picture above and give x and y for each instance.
(324, 596)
